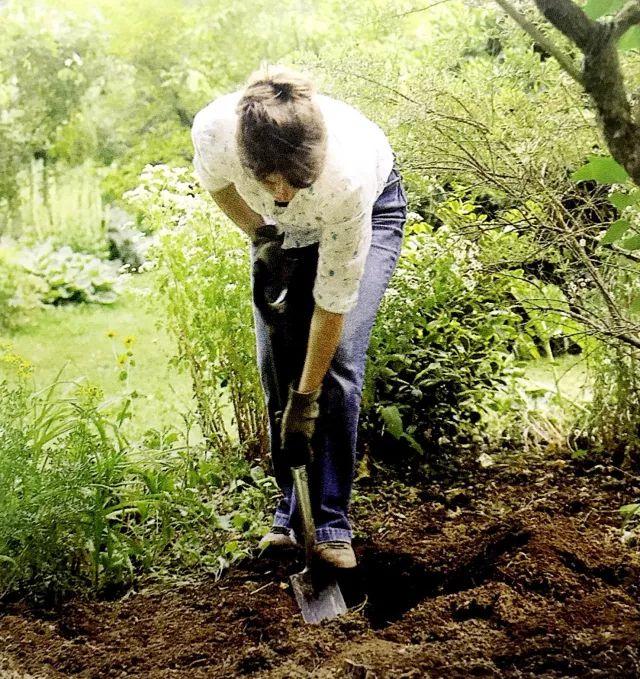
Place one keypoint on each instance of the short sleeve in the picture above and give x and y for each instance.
(211, 153)
(342, 254)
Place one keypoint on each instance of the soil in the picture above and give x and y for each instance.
(515, 572)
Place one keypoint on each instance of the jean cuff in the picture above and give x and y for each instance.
(329, 534)
(281, 520)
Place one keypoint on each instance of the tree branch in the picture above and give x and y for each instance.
(569, 19)
(563, 59)
(601, 76)
(627, 17)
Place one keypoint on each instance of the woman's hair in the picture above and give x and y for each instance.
(280, 127)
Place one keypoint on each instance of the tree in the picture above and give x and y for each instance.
(600, 74)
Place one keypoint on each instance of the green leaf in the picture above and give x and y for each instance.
(413, 443)
(632, 243)
(634, 308)
(615, 231)
(630, 40)
(628, 511)
(392, 421)
(603, 169)
(623, 200)
(598, 8)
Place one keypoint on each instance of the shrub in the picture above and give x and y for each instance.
(20, 291)
(611, 424)
(71, 276)
(442, 345)
(203, 273)
(81, 506)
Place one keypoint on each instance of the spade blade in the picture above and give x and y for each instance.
(317, 600)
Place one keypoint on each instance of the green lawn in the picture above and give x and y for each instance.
(77, 337)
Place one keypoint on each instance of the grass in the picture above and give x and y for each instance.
(77, 337)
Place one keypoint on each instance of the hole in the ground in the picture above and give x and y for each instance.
(395, 582)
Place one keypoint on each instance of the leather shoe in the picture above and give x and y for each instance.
(278, 538)
(336, 553)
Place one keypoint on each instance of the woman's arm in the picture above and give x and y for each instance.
(234, 206)
(324, 337)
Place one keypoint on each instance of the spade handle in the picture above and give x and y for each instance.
(301, 485)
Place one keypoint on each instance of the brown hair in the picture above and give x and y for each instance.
(280, 127)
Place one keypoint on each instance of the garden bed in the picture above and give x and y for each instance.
(519, 572)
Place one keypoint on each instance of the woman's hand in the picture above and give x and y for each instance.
(300, 415)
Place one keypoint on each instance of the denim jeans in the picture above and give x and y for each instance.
(281, 349)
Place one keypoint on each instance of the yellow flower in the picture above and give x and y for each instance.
(129, 340)
(111, 333)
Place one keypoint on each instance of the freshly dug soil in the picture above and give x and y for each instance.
(518, 573)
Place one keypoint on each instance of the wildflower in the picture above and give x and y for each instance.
(111, 334)
(129, 340)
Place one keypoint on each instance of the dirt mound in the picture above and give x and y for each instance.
(521, 574)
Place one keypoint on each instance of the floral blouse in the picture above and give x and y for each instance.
(335, 211)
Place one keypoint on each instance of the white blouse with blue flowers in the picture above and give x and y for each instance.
(335, 211)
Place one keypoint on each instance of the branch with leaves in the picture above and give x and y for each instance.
(600, 74)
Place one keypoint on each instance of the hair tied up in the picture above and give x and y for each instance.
(283, 91)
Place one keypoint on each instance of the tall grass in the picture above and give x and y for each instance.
(82, 506)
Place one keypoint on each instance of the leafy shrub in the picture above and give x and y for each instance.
(129, 245)
(203, 273)
(20, 291)
(611, 423)
(441, 346)
(71, 276)
(82, 506)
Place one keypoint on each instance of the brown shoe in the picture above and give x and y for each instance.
(278, 538)
(337, 553)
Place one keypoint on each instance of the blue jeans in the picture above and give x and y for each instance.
(281, 354)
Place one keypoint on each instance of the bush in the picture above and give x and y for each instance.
(81, 506)
(442, 345)
(71, 276)
(203, 272)
(611, 424)
(20, 291)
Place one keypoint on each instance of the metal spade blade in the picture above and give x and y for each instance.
(317, 603)
(316, 592)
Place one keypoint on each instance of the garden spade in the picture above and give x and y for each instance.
(316, 592)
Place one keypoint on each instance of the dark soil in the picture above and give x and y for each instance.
(520, 573)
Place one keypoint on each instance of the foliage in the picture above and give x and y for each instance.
(203, 274)
(60, 204)
(611, 424)
(80, 505)
(49, 63)
(20, 291)
(71, 276)
(442, 344)
(613, 416)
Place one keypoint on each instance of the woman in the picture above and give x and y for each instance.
(313, 184)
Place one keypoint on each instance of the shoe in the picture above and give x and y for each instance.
(337, 553)
(278, 537)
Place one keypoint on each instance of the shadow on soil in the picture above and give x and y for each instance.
(392, 583)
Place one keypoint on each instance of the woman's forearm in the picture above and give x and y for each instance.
(324, 337)
(326, 327)
(234, 206)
